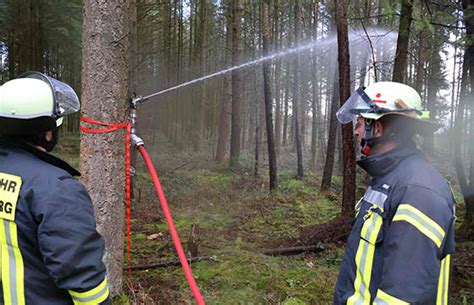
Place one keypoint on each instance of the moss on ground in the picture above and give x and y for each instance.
(235, 222)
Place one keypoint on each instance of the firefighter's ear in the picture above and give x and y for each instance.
(378, 129)
(48, 135)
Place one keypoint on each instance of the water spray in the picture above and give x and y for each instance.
(365, 35)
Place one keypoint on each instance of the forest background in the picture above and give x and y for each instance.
(223, 143)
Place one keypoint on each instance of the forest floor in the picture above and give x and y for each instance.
(237, 218)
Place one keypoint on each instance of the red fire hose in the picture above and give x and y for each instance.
(173, 232)
(110, 127)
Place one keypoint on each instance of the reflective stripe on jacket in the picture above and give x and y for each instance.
(50, 250)
(402, 239)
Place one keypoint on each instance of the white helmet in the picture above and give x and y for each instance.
(384, 98)
(35, 103)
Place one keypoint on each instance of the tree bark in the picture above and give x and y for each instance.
(296, 93)
(104, 98)
(348, 192)
(236, 127)
(315, 103)
(277, 43)
(401, 54)
(332, 137)
(200, 61)
(224, 117)
(286, 110)
(268, 97)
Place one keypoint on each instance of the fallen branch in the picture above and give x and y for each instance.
(278, 251)
(171, 263)
(292, 250)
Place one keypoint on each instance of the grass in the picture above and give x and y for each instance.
(236, 221)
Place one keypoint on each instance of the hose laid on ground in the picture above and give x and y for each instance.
(173, 232)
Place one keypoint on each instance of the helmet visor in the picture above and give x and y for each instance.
(65, 99)
(356, 104)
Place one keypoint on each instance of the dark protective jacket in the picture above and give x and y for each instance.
(402, 238)
(50, 250)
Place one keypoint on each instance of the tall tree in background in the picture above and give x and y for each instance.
(104, 98)
(332, 137)
(348, 192)
(467, 103)
(200, 45)
(277, 33)
(268, 95)
(296, 93)
(435, 80)
(315, 103)
(401, 55)
(236, 128)
(225, 111)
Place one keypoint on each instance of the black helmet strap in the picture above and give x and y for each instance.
(368, 139)
(401, 129)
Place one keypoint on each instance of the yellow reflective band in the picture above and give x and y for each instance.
(384, 298)
(93, 296)
(419, 220)
(364, 258)
(425, 115)
(12, 264)
(443, 281)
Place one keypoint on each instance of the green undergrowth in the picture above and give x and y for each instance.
(237, 218)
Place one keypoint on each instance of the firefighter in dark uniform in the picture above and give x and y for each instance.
(402, 240)
(50, 250)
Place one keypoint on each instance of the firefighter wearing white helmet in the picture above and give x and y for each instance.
(380, 100)
(402, 239)
(50, 250)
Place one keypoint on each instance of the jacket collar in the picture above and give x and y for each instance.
(43, 156)
(381, 164)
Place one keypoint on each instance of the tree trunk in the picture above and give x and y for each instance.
(348, 192)
(284, 135)
(435, 78)
(332, 137)
(467, 186)
(277, 42)
(268, 97)
(420, 66)
(256, 159)
(224, 117)
(104, 98)
(236, 127)
(200, 61)
(401, 54)
(315, 103)
(466, 228)
(296, 94)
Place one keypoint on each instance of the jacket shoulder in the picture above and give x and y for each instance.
(28, 165)
(417, 172)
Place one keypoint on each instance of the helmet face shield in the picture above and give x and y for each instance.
(356, 104)
(65, 99)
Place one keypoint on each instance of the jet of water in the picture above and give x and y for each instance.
(356, 36)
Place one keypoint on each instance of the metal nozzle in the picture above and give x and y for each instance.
(136, 140)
